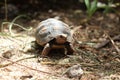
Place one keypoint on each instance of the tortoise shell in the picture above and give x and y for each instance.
(49, 29)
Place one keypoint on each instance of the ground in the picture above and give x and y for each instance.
(19, 59)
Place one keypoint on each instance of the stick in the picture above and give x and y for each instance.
(117, 49)
(100, 45)
(12, 62)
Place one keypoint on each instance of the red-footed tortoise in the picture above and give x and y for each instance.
(52, 34)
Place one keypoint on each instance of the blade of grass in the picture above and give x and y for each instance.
(93, 8)
(11, 24)
(87, 3)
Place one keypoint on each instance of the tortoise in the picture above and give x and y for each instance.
(54, 34)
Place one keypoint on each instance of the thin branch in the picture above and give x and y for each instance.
(117, 49)
(12, 62)
(100, 45)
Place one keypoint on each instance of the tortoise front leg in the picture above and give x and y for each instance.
(70, 49)
(46, 50)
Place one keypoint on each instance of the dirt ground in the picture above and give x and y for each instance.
(97, 49)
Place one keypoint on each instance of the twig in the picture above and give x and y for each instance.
(100, 45)
(117, 49)
(12, 62)
(70, 64)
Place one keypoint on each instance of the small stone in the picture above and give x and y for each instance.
(8, 54)
(74, 71)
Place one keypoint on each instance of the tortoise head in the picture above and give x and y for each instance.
(61, 39)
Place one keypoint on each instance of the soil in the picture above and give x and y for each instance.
(19, 55)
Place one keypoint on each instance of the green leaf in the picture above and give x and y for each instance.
(93, 7)
(87, 3)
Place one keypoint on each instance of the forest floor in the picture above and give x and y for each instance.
(97, 48)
